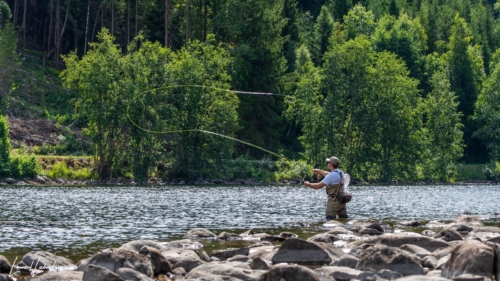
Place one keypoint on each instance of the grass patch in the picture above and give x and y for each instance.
(67, 167)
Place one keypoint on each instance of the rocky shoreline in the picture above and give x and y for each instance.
(365, 249)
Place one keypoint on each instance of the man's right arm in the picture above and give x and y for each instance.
(320, 172)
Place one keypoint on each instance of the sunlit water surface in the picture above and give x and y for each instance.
(76, 222)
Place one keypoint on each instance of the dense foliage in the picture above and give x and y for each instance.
(397, 89)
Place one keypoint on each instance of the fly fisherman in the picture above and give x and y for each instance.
(334, 186)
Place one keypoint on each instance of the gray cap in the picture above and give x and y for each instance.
(334, 160)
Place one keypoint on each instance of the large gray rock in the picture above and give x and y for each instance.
(289, 273)
(339, 230)
(223, 271)
(98, 273)
(346, 261)
(323, 237)
(305, 252)
(159, 263)
(4, 265)
(188, 263)
(115, 259)
(496, 266)
(422, 278)
(449, 234)
(197, 233)
(471, 221)
(228, 253)
(132, 275)
(416, 250)
(396, 240)
(341, 272)
(265, 253)
(381, 257)
(355, 225)
(470, 257)
(6, 277)
(45, 261)
(174, 255)
(137, 245)
(58, 276)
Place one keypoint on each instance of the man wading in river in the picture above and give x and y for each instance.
(334, 187)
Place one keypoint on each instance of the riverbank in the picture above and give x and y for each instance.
(363, 249)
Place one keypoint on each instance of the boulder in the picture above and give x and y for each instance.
(184, 243)
(422, 278)
(45, 261)
(439, 253)
(289, 273)
(188, 263)
(58, 276)
(470, 277)
(470, 221)
(299, 251)
(463, 229)
(449, 234)
(198, 233)
(496, 265)
(239, 258)
(227, 253)
(258, 263)
(265, 253)
(132, 275)
(323, 237)
(159, 263)
(115, 259)
(174, 255)
(286, 234)
(339, 230)
(416, 250)
(355, 225)
(381, 257)
(6, 277)
(98, 273)
(429, 261)
(408, 223)
(346, 261)
(40, 180)
(221, 271)
(341, 272)
(369, 231)
(436, 224)
(396, 240)
(136, 245)
(470, 257)
(4, 265)
(227, 236)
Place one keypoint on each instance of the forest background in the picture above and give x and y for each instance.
(399, 90)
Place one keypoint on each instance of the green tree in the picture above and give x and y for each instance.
(5, 13)
(323, 31)
(404, 37)
(442, 125)
(358, 21)
(367, 112)
(258, 65)
(487, 112)
(466, 74)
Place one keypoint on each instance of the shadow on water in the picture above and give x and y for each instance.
(76, 222)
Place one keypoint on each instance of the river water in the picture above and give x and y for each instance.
(76, 222)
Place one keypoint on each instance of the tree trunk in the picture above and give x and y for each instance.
(58, 47)
(166, 23)
(96, 20)
(112, 17)
(57, 32)
(128, 22)
(16, 9)
(50, 26)
(136, 17)
(187, 23)
(206, 21)
(86, 28)
(24, 22)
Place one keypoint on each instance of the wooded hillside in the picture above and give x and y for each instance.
(398, 89)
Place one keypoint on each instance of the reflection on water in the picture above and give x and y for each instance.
(78, 221)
